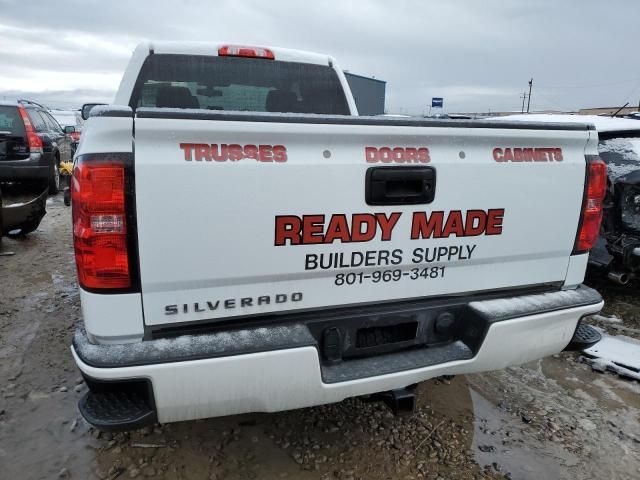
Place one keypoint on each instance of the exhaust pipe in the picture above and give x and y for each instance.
(620, 278)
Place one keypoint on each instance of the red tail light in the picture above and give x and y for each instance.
(596, 188)
(99, 224)
(35, 142)
(251, 52)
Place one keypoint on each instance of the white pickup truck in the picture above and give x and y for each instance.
(246, 242)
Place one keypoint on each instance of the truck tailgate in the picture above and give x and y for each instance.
(246, 216)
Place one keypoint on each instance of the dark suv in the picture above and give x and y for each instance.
(32, 144)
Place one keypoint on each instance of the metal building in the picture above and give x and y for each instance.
(369, 93)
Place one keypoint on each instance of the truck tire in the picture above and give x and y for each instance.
(54, 177)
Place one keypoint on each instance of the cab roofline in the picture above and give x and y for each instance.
(211, 48)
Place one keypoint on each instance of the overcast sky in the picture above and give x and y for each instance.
(478, 55)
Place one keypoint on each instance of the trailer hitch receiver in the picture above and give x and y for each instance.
(401, 401)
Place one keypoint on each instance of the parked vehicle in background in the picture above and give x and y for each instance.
(70, 118)
(630, 115)
(85, 111)
(308, 254)
(618, 248)
(21, 218)
(32, 144)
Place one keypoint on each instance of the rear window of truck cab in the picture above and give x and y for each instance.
(239, 84)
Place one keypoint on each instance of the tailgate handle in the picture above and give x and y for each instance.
(400, 185)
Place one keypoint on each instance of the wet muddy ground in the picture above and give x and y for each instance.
(553, 419)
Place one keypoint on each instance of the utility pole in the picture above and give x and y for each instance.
(523, 97)
(529, 101)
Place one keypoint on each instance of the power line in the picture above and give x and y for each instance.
(633, 91)
(552, 103)
(527, 96)
(570, 87)
(523, 96)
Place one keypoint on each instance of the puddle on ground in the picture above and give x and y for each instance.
(46, 436)
(605, 388)
(502, 441)
(557, 419)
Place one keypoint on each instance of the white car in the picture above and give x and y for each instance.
(246, 243)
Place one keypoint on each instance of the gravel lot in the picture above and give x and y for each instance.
(552, 419)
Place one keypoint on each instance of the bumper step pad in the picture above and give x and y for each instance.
(116, 411)
(394, 362)
(585, 336)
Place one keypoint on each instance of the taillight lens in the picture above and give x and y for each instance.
(34, 141)
(240, 51)
(596, 188)
(100, 224)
